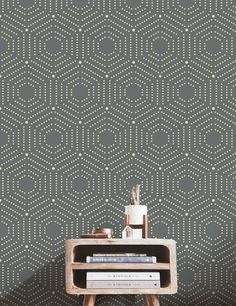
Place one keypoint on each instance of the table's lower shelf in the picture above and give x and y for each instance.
(86, 291)
(79, 281)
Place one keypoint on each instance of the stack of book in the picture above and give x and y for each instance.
(122, 279)
(121, 258)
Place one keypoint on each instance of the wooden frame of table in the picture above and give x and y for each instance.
(76, 267)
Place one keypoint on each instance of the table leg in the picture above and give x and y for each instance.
(89, 300)
(146, 300)
(151, 300)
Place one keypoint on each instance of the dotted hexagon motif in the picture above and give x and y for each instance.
(99, 95)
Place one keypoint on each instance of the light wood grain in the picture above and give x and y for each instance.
(120, 266)
(89, 300)
(79, 291)
(68, 267)
(147, 241)
(151, 300)
(146, 300)
(157, 246)
(173, 270)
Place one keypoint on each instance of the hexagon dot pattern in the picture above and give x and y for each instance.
(99, 95)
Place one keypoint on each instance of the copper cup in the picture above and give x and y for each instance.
(107, 231)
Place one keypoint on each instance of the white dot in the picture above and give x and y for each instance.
(159, 75)
(0, 200)
(213, 260)
(133, 122)
(186, 247)
(213, 76)
(186, 154)
(53, 200)
(53, 76)
(160, 200)
(53, 16)
(186, 214)
(26, 246)
(106, 200)
(26, 214)
(186, 122)
(213, 200)
(160, 108)
(80, 122)
(26, 154)
(53, 292)
(186, 62)
(133, 154)
(80, 214)
(53, 260)
(106, 168)
(160, 168)
(106, 108)
(160, 16)
(26, 30)
(80, 30)
(53, 108)
(133, 30)
(80, 62)
(186, 30)
(213, 108)
(213, 16)
(0, 108)
(213, 292)
(213, 168)
(133, 62)
(0, 168)
(53, 168)
(106, 75)
(26, 62)
(0, 260)
(107, 16)
(80, 154)
(26, 122)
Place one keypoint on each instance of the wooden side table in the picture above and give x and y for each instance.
(76, 267)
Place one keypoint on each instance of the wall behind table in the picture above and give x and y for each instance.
(96, 97)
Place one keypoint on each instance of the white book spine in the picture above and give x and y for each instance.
(123, 276)
(118, 254)
(121, 259)
(123, 284)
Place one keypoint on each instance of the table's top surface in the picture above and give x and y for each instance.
(142, 241)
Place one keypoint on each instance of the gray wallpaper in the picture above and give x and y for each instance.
(96, 96)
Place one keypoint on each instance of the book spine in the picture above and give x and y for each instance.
(118, 254)
(123, 284)
(121, 259)
(123, 276)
